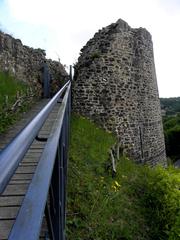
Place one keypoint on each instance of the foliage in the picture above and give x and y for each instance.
(9, 87)
(171, 124)
(171, 105)
(172, 136)
(159, 194)
(139, 203)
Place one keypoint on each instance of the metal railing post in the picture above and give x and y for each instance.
(70, 73)
(66, 135)
(61, 183)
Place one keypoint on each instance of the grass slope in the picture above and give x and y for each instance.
(139, 203)
(9, 87)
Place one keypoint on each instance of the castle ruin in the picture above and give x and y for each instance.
(115, 85)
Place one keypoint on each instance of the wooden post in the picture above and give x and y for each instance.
(113, 162)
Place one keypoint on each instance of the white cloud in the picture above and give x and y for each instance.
(171, 7)
(33, 12)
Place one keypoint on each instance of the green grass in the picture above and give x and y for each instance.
(139, 203)
(9, 87)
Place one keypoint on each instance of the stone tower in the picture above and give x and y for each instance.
(115, 85)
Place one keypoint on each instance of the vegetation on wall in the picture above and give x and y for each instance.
(11, 95)
(138, 203)
(95, 55)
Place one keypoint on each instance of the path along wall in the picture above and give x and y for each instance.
(26, 64)
(115, 85)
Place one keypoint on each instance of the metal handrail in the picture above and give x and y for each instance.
(13, 153)
(50, 174)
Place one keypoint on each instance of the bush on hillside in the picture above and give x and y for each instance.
(159, 192)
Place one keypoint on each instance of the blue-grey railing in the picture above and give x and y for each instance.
(46, 193)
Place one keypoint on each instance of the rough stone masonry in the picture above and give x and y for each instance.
(115, 85)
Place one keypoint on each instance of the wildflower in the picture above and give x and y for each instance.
(117, 184)
(101, 179)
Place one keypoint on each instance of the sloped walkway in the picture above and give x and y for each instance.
(11, 199)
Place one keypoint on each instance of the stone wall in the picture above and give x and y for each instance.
(115, 85)
(26, 64)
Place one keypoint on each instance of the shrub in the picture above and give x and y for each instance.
(159, 194)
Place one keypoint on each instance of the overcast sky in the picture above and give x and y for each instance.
(62, 28)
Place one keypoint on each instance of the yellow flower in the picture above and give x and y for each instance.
(117, 184)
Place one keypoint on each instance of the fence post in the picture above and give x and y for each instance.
(70, 72)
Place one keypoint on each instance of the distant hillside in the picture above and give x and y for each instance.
(170, 105)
